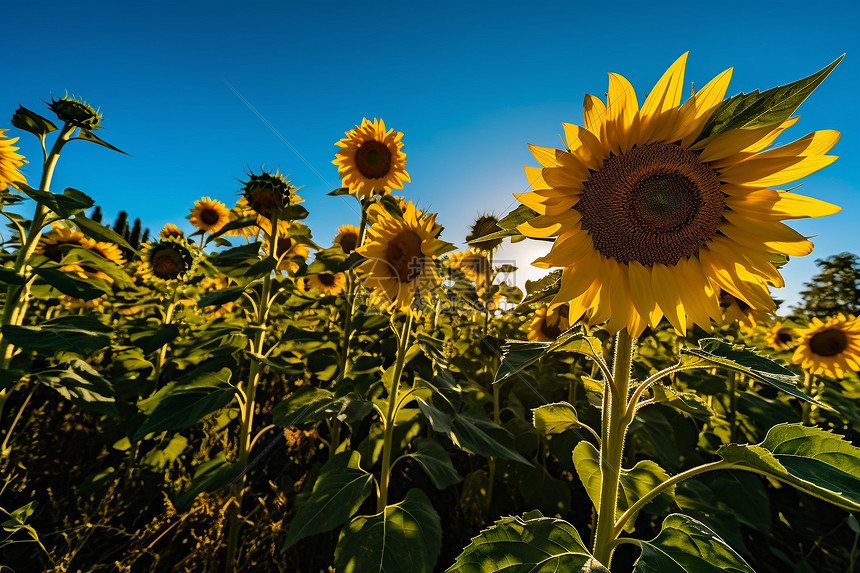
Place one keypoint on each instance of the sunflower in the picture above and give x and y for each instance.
(10, 162)
(400, 253)
(50, 244)
(209, 215)
(170, 230)
(347, 237)
(831, 347)
(326, 283)
(650, 221)
(781, 337)
(289, 252)
(483, 226)
(268, 193)
(548, 323)
(371, 161)
(495, 303)
(240, 211)
(475, 267)
(72, 303)
(167, 259)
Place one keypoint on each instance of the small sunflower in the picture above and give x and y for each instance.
(475, 267)
(651, 221)
(548, 324)
(326, 283)
(831, 347)
(209, 215)
(347, 237)
(50, 244)
(10, 162)
(170, 230)
(72, 303)
(400, 253)
(483, 226)
(268, 193)
(371, 161)
(495, 303)
(167, 259)
(290, 253)
(781, 337)
(736, 310)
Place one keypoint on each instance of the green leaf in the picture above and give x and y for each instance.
(541, 290)
(150, 341)
(528, 544)
(337, 494)
(18, 518)
(517, 217)
(715, 352)
(293, 213)
(240, 223)
(551, 419)
(219, 297)
(183, 408)
(238, 261)
(472, 434)
(766, 108)
(79, 334)
(87, 135)
(70, 203)
(210, 476)
(70, 285)
(339, 191)
(79, 256)
(813, 460)
(307, 404)
(330, 260)
(517, 355)
(10, 277)
(436, 462)
(99, 232)
(31, 121)
(635, 482)
(79, 383)
(406, 535)
(685, 545)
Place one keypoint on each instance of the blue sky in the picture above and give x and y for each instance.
(469, 83)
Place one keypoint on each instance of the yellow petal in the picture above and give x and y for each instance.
(770, 171)
(584, 145)
(546, 156)
(665, 286)
(593, 114)
(642, 294)
(815, 143)
(664, 98)
(534, 175)
(622, 117)
(698, 109)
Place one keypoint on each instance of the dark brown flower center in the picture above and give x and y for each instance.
(326, 278)
(485, 225)
(263, 200)
(167, 263)
(784, 336)
(209, 216)
(373, 159)
(348, 242)
(828, 342)
(655, 204)
(405, 256)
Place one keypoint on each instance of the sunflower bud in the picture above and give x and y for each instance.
(76, 112)
(167, 259)
(268, 193)
(483, 226)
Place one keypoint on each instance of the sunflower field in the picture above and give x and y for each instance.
(244, 398)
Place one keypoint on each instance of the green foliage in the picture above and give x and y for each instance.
(64, 333)
(835, 289)
(518, 355)
(435, 461)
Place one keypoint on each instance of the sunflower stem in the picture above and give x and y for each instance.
(615, 427)
(388, 437)
(733, 405)
(806, 407)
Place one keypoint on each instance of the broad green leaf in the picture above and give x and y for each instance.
(220, 297)
(18, 518)
(239, 223)
(87, 135)
(436, 462)
(528, 544)
(769, 107)
(404, 536)
(157, 458)
(685, 545)
(10, 277)
(307, 404)
(214, 372)
(339, 191)
(635, 482)
(337, 494)
(551, 419)
(183, 408)
(151, 340)
(715, 352)
(811, 459)
(293, 213)
(517, 355)
(540, 290)
(70, 203)
(79, 256)
(81, 334)
(543, 492)
(472, 434)
(518, 216)
(688, 403)
(99, 232)
(78, 382)
(71, 285)
(31, 121)
(210, 476)
(330, 260)
(238, 261)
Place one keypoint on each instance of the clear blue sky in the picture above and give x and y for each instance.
(470, 83)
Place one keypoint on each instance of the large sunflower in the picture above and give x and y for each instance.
(831, 347)
(400, 253)
(548, 324)
(10, 162)
(651, 222)
(371, 161)
(209, 215)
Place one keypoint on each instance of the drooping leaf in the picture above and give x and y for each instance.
(769, 107)
(811, 459)
(635, 482)
(184, 407)
(339, 191)
(472, 434)
(71, 285)
(685, 545)
(31, 121)
(80, 334)
(715, 352)
(75, 255)
(70, 203)
(517, 355)
(337, 494)
(436, 462)
(10, 277)
(406, 535)
(87, 135)
(541, 290)
(99, 232)
(528, 544)
(78, 382)
(239, 223)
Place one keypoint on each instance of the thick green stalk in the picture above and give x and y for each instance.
(612, 446)
(806, 407)
(733, 405)
(162, 352)
(246, 411)
(388, 437)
